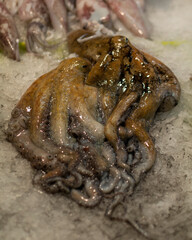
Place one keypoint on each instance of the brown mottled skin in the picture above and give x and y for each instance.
(129, 77)
(84, 124)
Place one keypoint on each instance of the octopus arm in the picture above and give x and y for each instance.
(39, 158)
(59, 113)
(93, 195)
(147, 149)
(114, 119)
(93, 129)
(106, 185)
(147, 107)
(25, 103)
(39, 116)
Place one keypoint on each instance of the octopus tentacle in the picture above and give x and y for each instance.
(79, 109)
(111, 127)
(120, 194)
(59, 110)
(39, 158)
(67, 80)
(129, 179)
(92, 192)
(56, 180)
(146, 146)
(114, 119)
(74, 180)
(56, 172)
(17, 124)
(54, 185)
(108, 154)
(96, 161)
(126, 182)
(84, 171)
(106, 185)
(68, 157)
(59, 103)
(146, 110)
(124, 133)
(39, 117)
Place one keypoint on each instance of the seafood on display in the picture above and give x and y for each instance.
(63, 16)
(85, 124)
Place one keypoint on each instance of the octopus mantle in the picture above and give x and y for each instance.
(84, 124)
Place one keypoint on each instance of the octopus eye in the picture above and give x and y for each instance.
(85, 68)
(126, 40)
(50, 157)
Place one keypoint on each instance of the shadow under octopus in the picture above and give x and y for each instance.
(85, 123)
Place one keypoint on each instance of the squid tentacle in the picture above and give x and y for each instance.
(9, 36)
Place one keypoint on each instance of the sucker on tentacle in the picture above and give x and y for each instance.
(93, 196)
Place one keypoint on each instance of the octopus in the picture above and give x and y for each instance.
(84, 125)
(43, 18)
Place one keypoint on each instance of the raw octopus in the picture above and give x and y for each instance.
(85, 123)
(106, 16)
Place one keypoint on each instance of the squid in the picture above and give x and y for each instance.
(58, 15)
(131, 15)
(36, 14)
(9, 36)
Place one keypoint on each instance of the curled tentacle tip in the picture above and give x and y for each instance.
(92, 195)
